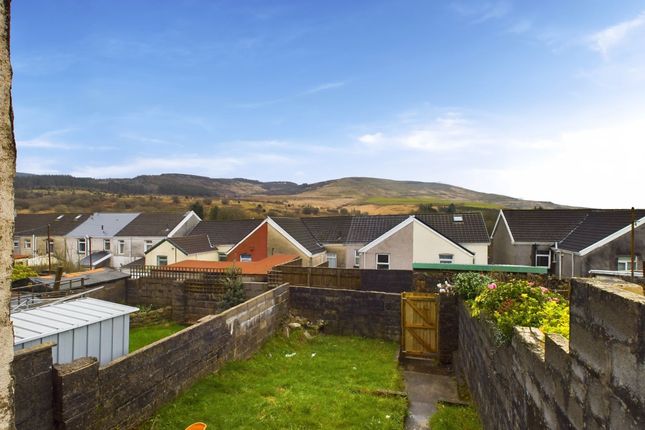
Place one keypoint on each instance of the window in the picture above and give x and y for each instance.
(221, 256)
(357, 259)
(82, 246)
(446, 258)
(27, 243)
(16, 244)
(383, 261)
(246, 257)
(332, 260)
(147, 245)
(625, 263)
(121, 249)
(543, 258)
(51, 245)
(162, 260)
(106, 244)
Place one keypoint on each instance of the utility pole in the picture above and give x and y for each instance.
(90, 244)
(632, 244)
(49, 248)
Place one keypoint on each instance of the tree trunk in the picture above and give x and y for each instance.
(7, 173)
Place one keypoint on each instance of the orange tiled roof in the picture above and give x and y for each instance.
(260, 267)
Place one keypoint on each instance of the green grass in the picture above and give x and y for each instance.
(455, 417)
(142, 336)
(385, 201)
(329, 383)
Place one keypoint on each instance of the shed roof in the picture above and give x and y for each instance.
(226, 232)
(260, 267)
(152, 224)
(36, 224)
(52, 319)
(103, 224)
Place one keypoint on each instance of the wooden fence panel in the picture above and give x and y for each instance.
(419, 324)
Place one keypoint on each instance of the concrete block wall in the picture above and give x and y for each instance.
(349, 312)
(595, 380)
(33, 390)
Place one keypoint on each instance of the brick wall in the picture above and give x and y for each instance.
(349, 312)
(130, 389)
(32, 368)
(595, 380)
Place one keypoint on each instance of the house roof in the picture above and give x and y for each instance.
(332, 229)
(103, 224)
(596, 226)
(297, 229)
(542, 225)
(36, 224)
(261, 267)
(152, 224)
(366, 228)
(226, 232)
(193, 244)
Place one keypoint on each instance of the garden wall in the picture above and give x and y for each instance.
(595, 380)
(33, 390)
(130, 389)
(348, 312)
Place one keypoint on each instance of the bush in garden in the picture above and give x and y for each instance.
(469, 285)
(20, 271)
(234, 293)
(520, 303)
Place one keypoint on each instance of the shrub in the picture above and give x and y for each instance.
(234, 294)
(20, 271)
(520, 303)
(469, 285)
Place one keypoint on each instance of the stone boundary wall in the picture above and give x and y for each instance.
(130, 389)
(150, 317)
(349, 312)
(594, 380)
(33, 390)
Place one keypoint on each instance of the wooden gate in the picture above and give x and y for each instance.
(419, 324)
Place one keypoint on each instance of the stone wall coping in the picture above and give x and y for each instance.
(76, 365)
(34, 349)
(345, 290)
(611, 286)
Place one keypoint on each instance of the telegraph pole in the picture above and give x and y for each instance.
(49, 248)
(632, 242)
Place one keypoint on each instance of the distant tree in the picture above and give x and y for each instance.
(225, 201)
(426, 208)
(231, 213)
(344, 211)
(198, 208)
(451, 208)
(175, 199)
(207, 202)
(213, 213)
(310, 210)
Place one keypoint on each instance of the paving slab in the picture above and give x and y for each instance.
(424, 391)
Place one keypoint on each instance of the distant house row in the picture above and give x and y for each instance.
(569, 242)
(368, 242)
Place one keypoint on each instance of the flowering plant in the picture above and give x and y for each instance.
(446, 288)
(469, 284)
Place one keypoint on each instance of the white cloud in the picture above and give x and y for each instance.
(605, 40)
(45, 141)
(483, 11)
(323, 87)
(327, 86)
(371, 139)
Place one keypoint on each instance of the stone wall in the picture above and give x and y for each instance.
(349, 312)
(149, 316)
(33, 390)
(130, 389)
(595, 380)
(448, 327)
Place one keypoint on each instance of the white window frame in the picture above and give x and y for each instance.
(81, 245)
(547, 254)
(147, 245)
(51, 246)
(331, 256)
(381, 265)
(107, 244)
(120, 247)
(357, 259)
(27, 243)
(16, 244)
(162, 258)
(446, 258)
(626, 262)
(246, 257)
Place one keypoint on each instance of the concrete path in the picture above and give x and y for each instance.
(424, 391)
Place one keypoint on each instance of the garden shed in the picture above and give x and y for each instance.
(83, 327)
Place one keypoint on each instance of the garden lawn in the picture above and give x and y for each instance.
(455, 417)
(327, 382)
(145, 335)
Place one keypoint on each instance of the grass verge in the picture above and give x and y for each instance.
(145, 335)
(292, 383)
(455, 417)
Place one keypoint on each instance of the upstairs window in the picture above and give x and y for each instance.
(357, 259)
(246, 257)
(625, 264)
(162, 260)
(543, 258)
(383, 261)
(51, 246)
(121, 247)
(106, 244)
(446, 258)
(27, 243)
(147, 245)
(82, 246)
(16, 244)
(332, 261)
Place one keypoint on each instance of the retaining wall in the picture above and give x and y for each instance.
(594, 380)
(33, 397)
(349, 312)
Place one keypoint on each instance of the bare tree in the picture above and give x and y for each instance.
(7, 173)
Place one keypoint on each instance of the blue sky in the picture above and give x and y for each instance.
(538, 100)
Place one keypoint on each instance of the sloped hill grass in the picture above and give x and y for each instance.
(327, 382)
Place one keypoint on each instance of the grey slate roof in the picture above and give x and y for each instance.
(226, 232)
(152, 224)
(366, 228)
(103, 224)
(299, 231)
(543, 225)
(193, 244)
(36, 224)
(471, 230)
(596, 226)
(331, 229)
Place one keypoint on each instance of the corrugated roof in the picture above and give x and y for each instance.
(52, 319)
(543, 225)
(299, 231)
(261, 267)
(103, 224)
(226, 232)
(152, 224)
(193, 244)
(36, 224)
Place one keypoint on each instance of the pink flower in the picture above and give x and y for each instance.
(544, 290)
(492, 286)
